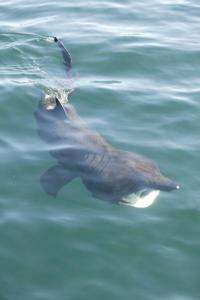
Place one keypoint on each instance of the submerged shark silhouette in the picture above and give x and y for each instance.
(108, 173)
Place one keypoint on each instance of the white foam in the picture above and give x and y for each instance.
(141, 201)
(49, 39)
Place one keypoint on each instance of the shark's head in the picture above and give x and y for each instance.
(145, 181)
(147, 196)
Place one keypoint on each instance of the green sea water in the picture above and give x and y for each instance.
(136, 74)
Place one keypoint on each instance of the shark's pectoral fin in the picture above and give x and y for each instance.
(55, 178)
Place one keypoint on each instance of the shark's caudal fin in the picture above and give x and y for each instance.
(55, 178)
(66, 56)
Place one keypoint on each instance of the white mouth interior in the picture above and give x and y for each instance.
(140, 201)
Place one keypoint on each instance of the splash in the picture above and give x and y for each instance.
(50, 96)
(140, 201)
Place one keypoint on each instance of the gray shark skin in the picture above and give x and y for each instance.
(108, 173)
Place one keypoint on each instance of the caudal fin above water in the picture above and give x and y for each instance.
(66, 56)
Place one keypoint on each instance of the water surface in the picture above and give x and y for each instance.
(137, 81)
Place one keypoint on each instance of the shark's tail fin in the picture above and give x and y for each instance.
(66, 56)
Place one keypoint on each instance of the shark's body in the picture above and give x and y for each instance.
(108, 173)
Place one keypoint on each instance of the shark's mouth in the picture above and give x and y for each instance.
(142, 199)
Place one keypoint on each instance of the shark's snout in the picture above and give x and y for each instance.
(166, 185)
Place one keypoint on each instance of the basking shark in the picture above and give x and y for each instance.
(108, 173)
